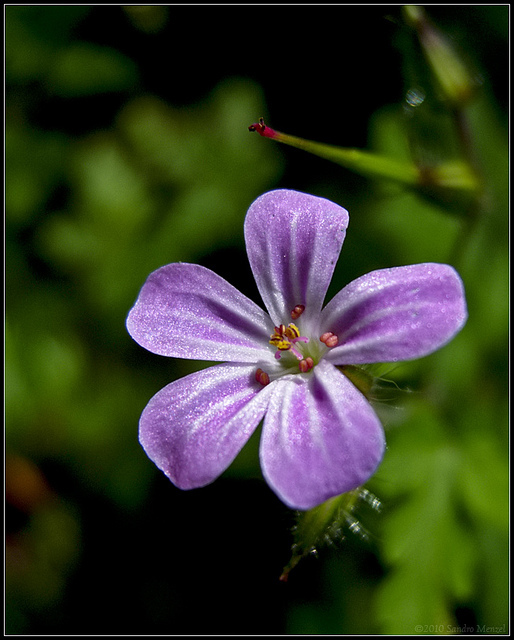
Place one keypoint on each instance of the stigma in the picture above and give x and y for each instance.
(289, 339)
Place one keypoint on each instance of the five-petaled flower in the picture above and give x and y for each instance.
(320, 435)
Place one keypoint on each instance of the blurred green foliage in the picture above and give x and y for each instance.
(124, 153)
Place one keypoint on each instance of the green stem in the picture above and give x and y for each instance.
(444, 181)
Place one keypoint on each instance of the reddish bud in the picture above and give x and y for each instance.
(262, 129)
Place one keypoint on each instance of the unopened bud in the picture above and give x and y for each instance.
(455, 81)
(263, 129)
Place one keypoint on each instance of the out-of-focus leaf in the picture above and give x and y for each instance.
(165, 185)
(168, 185)
(437, 483)
(33, 35)
(39, 560)
(34, 168)
(84, 69)
(428, 549)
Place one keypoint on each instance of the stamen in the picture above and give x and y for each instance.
(292, 331)
(285, 338)
(329, 339)
(297, 311)
(298, 353)
(281, 343)
(306, 365)
(332, 341)
(262, 377)
(294, 350)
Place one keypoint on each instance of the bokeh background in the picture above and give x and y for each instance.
(127, 147)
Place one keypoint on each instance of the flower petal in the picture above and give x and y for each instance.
(320, 438)
(395, 314)
(293, 242)
(187, 311)
(194, 427)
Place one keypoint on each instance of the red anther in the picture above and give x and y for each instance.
(297, 311)
(262, 377)
(330, 339)
(306, 364)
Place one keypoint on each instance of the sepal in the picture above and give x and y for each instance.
(328, 524)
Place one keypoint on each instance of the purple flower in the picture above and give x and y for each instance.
(320, 435)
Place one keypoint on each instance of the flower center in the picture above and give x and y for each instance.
(288, 339)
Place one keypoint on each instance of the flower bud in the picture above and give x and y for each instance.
(454, 79)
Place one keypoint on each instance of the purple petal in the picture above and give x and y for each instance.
(293, 242)
(187, 311)
(395, 314)
(320, 438)
(194, 427)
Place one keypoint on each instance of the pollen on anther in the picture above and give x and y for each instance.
(262, 377)
(297, 311)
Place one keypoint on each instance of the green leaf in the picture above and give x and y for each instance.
(437, 489)
(84, 69)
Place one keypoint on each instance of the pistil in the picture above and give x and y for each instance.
(285, 339)
(288, 339)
